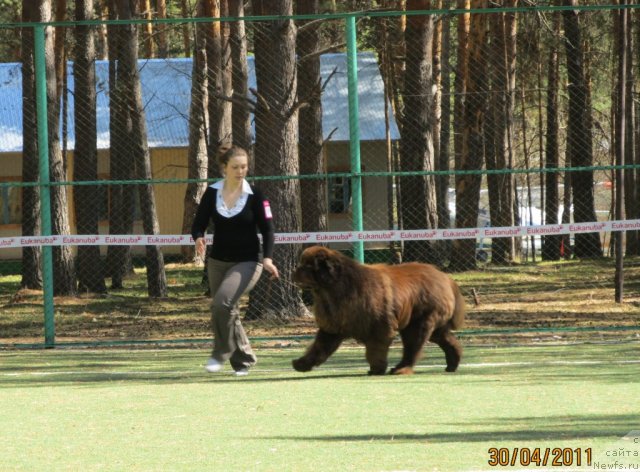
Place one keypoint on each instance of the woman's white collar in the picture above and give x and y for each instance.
(246, 188)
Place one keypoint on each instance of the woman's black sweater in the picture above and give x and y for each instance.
(235, 239)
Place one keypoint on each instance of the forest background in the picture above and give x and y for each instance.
(490, 97)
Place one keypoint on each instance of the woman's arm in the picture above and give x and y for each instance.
(203, 214)
(265, 224)
(201, 220)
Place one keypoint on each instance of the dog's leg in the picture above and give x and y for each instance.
(377, 353)
(413, 338)
(447, 341)
(323, 346)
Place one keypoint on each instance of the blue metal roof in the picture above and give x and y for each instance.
(166, 91)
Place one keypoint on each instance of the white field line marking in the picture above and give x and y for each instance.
(479, 365)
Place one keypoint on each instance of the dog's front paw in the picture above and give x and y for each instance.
(302, 365)
(407, 370)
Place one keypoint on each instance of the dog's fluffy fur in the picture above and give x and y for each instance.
(372, 303)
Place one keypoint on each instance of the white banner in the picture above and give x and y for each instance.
(329, 237)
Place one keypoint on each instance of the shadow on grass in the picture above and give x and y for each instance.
(506, 367)
(98, 374)
(35, 369)
(499, 431)
(114, 379)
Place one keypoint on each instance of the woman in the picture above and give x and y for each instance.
(238, 211)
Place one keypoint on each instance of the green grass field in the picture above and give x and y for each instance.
(157, 410)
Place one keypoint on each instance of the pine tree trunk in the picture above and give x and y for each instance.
(219, 125)
(436, 68)
(635, 53)
(64, 282)
(31, 271)
(89, 263)
(313, 191)
(226, 70)
(197, 153)
(163, 47)
(499, 129)
(443, 182)
(418, 199)
(147, 35)
(390, 45)
(630, 189)
(551, 244)
(507, 181)
(102, 39)
(463, 256)
(240, 115)
(121, 196)
(139, 149)
(185, 9)
(276, 150)
(579, 140)
(462, 63)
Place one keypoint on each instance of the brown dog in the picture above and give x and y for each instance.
(371, 303)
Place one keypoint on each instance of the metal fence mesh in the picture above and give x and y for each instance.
(467, 120)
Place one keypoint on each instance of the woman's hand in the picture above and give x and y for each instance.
(270, 267)
(201, 246)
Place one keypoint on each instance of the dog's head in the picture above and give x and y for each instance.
(319, 267)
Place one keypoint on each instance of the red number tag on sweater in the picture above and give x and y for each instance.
(267, 210)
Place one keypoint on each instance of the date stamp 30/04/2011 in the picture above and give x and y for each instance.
(539, 457)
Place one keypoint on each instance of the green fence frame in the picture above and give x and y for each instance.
(355, 174)
(45, 187)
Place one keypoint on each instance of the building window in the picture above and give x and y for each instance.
(339, 194)
(10, 206)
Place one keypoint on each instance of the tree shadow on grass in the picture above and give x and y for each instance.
(94, 379)
(93, 367)
(499, 430)
(20, 369)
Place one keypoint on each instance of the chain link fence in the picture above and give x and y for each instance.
(485, 141)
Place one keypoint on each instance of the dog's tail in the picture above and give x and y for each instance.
(457, 320)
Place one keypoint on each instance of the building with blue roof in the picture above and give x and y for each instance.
(166, 90)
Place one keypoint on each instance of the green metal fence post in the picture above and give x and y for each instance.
(45, 188)
(354, 134)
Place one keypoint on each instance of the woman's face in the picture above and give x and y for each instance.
(236, 168)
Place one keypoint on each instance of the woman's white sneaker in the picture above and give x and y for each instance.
(241, 372)
(213, 365)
